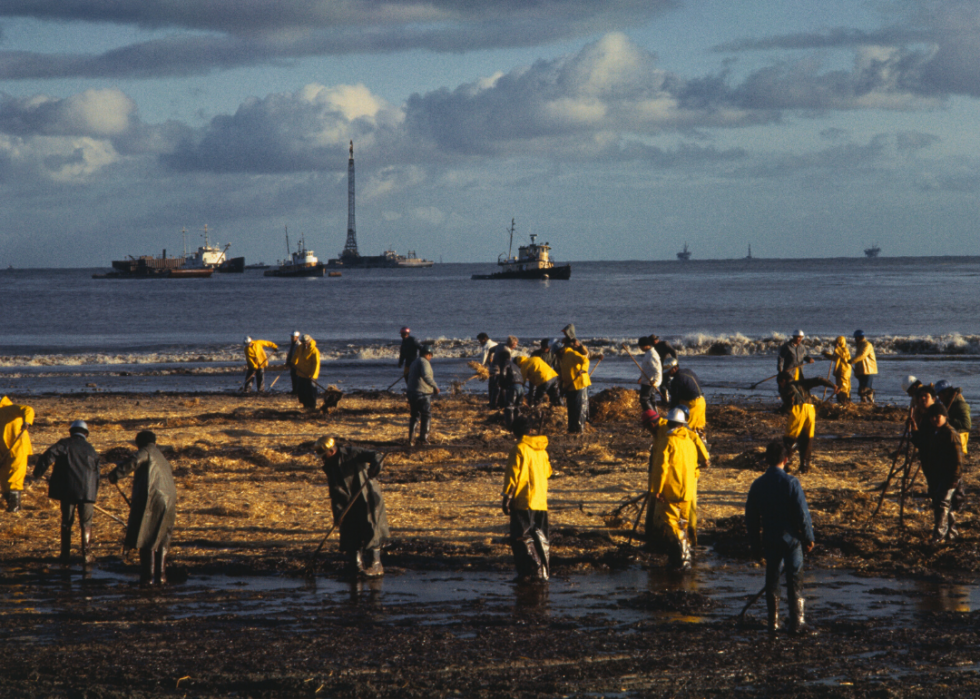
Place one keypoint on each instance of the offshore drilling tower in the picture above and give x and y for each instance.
(350, 247)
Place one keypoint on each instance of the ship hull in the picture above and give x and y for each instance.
(564, 272)
(235, 265)
(317, 270)
(378, 262)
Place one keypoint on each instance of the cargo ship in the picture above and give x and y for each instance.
(302, 263)
(532, 262)
(197, 265)
(213, 257)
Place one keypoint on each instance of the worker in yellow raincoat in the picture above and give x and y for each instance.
(865, 366)
(802, 423)
(673, 485)
(543, 379)
(573, 360)
(525, 500)
(256, 361)
(14, 421)
(307, 371)
(841, 368)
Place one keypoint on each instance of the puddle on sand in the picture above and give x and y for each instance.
(718, 589)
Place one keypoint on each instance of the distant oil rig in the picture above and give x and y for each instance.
(350, 257)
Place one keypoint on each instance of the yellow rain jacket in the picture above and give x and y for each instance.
(527, 474)
(864, 361)
(535, 370)
(674, 465)
(308, 361)
(574, 364)
(13, 457)
(255, 356)
(842, 365)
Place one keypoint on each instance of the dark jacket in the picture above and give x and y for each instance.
(798, 392)
(420, 378)
(75, 476)
(664, 349)
(153, 508)
(959, 413)
(508, 373)
(941, 452)
(791, 356)
(366, 524)
(684, 387)
(776, 512)
(409, 351)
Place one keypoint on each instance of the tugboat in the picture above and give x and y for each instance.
(873, 251)
(532, 262)
(212, 256)
(685, 254)
(302, 263)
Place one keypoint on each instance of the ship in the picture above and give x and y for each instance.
(150, 267)
(873, 251)
(532, 262)
(350, 258)
(212, 256)
(302, 263)
(258, 265)
(685, 254)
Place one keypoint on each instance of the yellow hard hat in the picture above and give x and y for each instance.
(323, 445)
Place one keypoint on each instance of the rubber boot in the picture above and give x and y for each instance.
(13, 501)
(160, 566)
(146, 567)
(790, 445)
(797, 622)
(375, 569)
(772, 609)
(941, 523)
(531, 569)
(952, 532)
(806, 451)
(424, 430)
(686, 555)
(87, 557)
(355, 565)
(65, 558)
(412, 422)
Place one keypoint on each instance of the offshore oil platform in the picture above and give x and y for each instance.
(350, 258)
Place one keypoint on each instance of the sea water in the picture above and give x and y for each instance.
(64, 331)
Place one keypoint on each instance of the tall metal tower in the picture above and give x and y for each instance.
(350, 247)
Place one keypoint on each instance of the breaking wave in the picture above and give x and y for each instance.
(220, 357)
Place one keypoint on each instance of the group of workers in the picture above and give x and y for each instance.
(302, 360)
(673, 411)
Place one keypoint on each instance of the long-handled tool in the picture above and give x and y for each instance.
(756, 596)
(123, 494)
(626, 347)
(636, 522)
(601, 357)
(400, 378)
(274, 382)
(108, 514)
(769, 378)
(311, 565)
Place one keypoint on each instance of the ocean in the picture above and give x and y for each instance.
(65, 332)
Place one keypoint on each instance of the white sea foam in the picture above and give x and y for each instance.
(735, 344)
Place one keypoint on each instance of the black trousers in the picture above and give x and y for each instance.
(306, 390)
(529, 541)
(259, 374)
(86, 510)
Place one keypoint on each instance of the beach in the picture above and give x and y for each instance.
(253, 504)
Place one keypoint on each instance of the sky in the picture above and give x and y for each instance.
(614, 130)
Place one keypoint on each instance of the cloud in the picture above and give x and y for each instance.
(254, 32)
(288, 132)
(107, 112)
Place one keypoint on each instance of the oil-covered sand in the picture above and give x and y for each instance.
(252, 505)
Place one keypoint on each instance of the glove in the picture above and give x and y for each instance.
(374, 470)
(505, 504)
(113, 477)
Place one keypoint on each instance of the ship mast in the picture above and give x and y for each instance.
(510, 246)
(350, 247)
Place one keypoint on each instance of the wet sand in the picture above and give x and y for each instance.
(252, 502)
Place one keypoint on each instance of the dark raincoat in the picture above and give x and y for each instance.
(75, 476)
(366, 524)
(154, 501)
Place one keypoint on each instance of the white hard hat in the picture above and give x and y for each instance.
(247, 339)
(677, 414)
(799, 333)
(669, 363)
(295, 333)
(908, 381)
